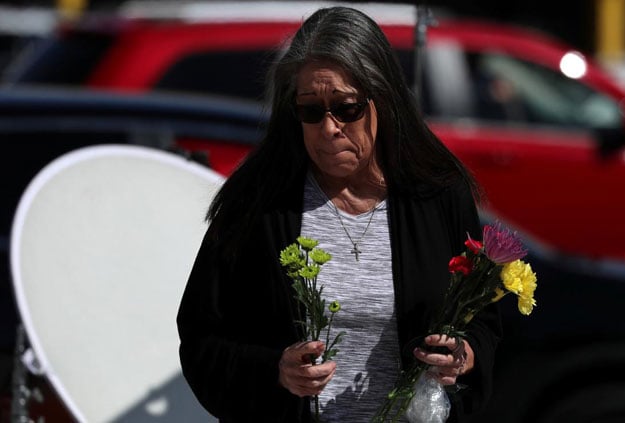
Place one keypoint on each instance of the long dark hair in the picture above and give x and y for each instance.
(410, 155)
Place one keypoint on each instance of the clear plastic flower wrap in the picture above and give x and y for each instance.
(430, 403)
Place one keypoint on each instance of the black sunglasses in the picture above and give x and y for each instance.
(343, 112)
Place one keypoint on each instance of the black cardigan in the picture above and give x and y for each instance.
(236, 315)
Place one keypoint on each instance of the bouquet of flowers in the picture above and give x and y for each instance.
(302, 261)
(483, 274)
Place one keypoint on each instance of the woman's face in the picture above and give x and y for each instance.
(337, 149)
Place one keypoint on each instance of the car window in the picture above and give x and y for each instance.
(9, 45)
(510, 89)
(448, 82)
(236, 73)
(67, 59)
(407, 61)
(233, 73)
(496, 87)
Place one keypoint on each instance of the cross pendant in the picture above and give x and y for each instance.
(356, 251)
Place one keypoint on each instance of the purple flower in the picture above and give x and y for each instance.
(501, 245)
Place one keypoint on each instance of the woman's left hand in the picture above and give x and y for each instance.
(446, 367)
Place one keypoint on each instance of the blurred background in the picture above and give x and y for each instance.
(529, 94)
(593, 26)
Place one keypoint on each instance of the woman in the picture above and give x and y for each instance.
(347, 160)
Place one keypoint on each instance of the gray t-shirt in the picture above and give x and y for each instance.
(368, 360)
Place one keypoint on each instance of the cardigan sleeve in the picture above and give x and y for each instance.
(485, 330)
(232, 334)
(428, 230)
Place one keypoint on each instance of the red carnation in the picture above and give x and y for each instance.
(460, 264)
(474, 245)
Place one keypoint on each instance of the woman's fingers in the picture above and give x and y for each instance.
(299, 375)
(445, 367)
(442, 375)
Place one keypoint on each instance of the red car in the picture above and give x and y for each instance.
(540, 125)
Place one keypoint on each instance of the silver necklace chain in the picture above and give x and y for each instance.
(355, 251)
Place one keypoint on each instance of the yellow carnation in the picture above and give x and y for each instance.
(528, 281)
(526, 305)
(512, 275)
(526, 299)
(519, 278)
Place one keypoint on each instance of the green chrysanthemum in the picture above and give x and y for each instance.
(307, 243)
(309, 272)
(319, 256)
(302, 262)
(291, 256)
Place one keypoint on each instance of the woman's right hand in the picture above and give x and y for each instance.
(299, 375)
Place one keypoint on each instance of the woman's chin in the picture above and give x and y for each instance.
(340, 169)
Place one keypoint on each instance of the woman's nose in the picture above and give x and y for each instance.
(330, 126)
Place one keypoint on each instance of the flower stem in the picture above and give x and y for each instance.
(316, 408)
(398, 400)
